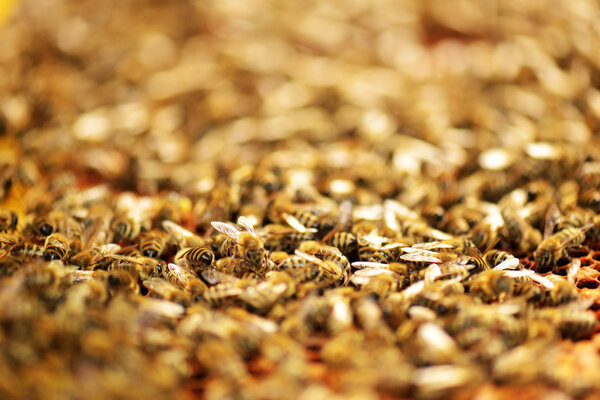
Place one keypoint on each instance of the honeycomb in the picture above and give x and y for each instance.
(299, 199)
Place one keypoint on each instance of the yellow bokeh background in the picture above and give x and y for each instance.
(6, 9)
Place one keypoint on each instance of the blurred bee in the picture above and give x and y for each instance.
(122, 280)
(590, 199)
(560, 291)
(56, 247)
(483, 235)
(433, 213)
(27, 249)
(196, 258)
(125, 227)
(167, 291)
(144, 267)
(94, 256)
(346, 242)
(516, 232)
(8, 220)
(248, 245)
(572, 321)
(181, 236)
(555, 247)
(46, 224)
(152, 243)
(495, 258)
(492, 285)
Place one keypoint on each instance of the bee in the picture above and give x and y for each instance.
(572, 321)
(433, 213)
(555, 247)
(179, 275)
(248, 245)
(144, 267)
(346, 242)
(331, 272)
(56, 247)
(122, 280)
(517, 232)
(45, 225)
(326, 253)
(8, 220)
(94, 256)
(492, 285)
(197, 258)
(152, 243)
(167, 291)
(181, 236)
(495, 258)
(590, 199)
(560, 291)
(26, 250)
(125, 227)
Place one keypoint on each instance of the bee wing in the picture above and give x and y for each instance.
(419, 257)
(414, 289)
(511, 263)
(368, 264)
(315, 260)
(82, 276)
(297, 225)
(432, 273)
(552, 217)
(212, 277)
(373, 271)
(246, 224)
(120, 257)
(157, 285)
(177, 272)
(178, 231)
(433, 245)
(573, 270)
(226, 229)
(345, 212)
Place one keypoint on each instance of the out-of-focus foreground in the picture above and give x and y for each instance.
(299, 199)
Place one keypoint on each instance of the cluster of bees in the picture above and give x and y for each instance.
(296, 201)
(344, 277)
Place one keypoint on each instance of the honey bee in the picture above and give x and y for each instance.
(560, 291)
(346, 242)
(499, 259)
(94, 256)
(492, 285)
(125, 227)
(197, 258)
(26, 250)
(248, 245)
(179, 275)
(555, 247)
(572, 321)
(181, 236)
(144, 267)
(152, 243)
(8, 220)
(330, 270)
(167, 291)
(45, 225)
(590, 199)
(517, 232)
(56, 247)
(327, 253)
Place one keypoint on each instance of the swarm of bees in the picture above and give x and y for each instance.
(291, 200)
